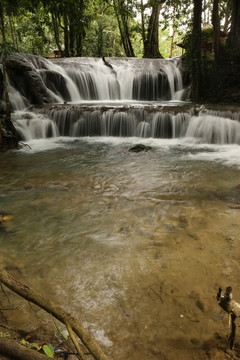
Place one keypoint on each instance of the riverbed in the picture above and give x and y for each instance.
(135, 245)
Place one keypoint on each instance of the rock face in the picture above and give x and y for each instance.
(37, 84)
(29, 75)
(26, 80)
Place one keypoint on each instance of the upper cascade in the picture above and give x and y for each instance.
(34, 80)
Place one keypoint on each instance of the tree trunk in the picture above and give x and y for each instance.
(71, 37)
(2, 23)
(13, 32)
(151, 45)
(4, 70)
(143, 23)
(122, 19)
(196, 73)
(100, 40)
(79, 45)
(56, 31)
(226, 10)
(234, 35)
(8, 134)
(171, 43)
(216, 28)
(66, 35)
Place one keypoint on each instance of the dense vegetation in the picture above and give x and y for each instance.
(110, 27)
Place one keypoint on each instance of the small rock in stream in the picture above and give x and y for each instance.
(140, 147)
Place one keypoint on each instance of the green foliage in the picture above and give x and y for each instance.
(6, 49)
(165, 44)
(98, 27)
(101, 26)
(5, 334)
(33, 33)
(206, 45)
(48, 350)
(29, 345)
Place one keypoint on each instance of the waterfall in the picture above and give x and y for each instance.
(131, 121)
(41, 81)
(124, 97)
(214, 130)
(33, 126)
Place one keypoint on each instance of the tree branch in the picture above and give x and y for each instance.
(60, 314)
(232, 307)
(13, 350)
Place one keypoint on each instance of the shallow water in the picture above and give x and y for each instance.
(134, 244)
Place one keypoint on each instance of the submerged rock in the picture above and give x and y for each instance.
(140, 147)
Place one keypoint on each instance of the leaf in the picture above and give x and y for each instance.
(5, 334)
(48, 350)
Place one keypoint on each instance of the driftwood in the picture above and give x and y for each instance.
(67, 319)
(108, 65)
(225, 300)
(11, 349)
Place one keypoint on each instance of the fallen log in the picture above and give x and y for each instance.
(60, 314)
(11, 349)
(232, 307)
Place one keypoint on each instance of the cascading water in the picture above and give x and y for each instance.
(110, 97)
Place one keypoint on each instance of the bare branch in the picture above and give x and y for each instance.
(60, 314)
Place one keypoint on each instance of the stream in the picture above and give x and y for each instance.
(135, 245)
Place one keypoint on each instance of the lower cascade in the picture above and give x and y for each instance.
(44, 122)
(110, 97)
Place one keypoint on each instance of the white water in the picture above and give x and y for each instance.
(33, 126)
(130, 122)
(73, 90)
(213, 129)
(228, 155)
(122, 97)
(91, 79)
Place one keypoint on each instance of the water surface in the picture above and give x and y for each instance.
(134, 244)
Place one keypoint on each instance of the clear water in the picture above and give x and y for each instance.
(134, 244)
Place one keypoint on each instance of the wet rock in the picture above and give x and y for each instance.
(140, 147)
(56, 82)
(27, 80)
(8, 136)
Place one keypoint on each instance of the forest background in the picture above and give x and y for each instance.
(208, 31)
